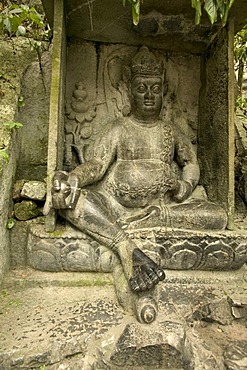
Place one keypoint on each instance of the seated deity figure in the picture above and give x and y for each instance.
(142, 167)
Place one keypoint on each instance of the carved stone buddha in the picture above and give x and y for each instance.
(143, 172)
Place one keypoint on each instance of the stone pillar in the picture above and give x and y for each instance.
(56, 118)
(216, 121)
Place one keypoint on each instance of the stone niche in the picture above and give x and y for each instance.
(89, 47)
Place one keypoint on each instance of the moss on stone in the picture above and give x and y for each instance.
(56, 233)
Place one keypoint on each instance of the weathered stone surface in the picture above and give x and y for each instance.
(70, 250)
(73, 321)
(44, 329)
(15, 55)
(202, 357)
(219, 311)
(35, 190)
(35, 87)
(17, 189)
(239, 307)
(215, 130)
(161, 345)
(235, 355)
(26, 210)
(168, 25)
(18, 244)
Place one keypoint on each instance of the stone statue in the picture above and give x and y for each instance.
(143, 170)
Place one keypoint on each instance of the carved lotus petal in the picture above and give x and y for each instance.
(80, 117)
(80, 107)
(89, 117)
(72, 115)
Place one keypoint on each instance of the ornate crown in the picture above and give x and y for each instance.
(145, 63)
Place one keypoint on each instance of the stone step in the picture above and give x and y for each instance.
(46, 318)
(72, 321)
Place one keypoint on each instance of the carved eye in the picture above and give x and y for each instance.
(141, 89)
(156, 89)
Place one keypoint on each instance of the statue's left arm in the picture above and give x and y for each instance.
(186, 158)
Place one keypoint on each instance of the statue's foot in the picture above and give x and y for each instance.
(146, 309)
(146, 273)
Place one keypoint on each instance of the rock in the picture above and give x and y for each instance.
(218, 311)
(35, 190)
(26, 210)
(235, 355)
(201, 355)
(239, 307)
(17, 188)
(159, 345)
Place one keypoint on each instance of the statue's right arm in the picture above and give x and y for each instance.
(65, 189)
(105, 151)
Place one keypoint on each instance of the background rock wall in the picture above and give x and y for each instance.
(15, 56)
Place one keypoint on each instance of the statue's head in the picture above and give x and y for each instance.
(147, 76)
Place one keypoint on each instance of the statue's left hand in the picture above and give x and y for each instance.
(65, 191)
(183, 191)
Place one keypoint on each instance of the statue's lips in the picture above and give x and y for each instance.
(149, 103)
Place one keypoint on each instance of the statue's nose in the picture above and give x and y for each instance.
(148, 94)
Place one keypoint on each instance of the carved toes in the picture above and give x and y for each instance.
(147, 273)
(161, 274)
(146, 280)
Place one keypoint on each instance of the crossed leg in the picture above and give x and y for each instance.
(95, 216)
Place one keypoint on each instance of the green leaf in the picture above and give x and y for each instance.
(221, 7)
(12, 124)
(196, 4)
(36, 18)
(16, 11)
(225, 15)
(7, 24)
(4, 155)
(21, 102)
(4, 293)
(15, 22)
(21, 30)
(211, 8)
(228, 5)
(136, 12)
(24, 7)
(10, 223)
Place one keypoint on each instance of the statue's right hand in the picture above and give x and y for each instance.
(60, 190)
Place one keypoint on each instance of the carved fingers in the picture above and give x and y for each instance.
(65, 191)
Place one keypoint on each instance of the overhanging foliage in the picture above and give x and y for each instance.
(214, 8)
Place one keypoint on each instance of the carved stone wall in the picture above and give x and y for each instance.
(34, 114)
(15, 55)
(216, 121)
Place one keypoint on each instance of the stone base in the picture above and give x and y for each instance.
(67, 249)
(73, 321)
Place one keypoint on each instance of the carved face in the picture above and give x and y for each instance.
(147, 97)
